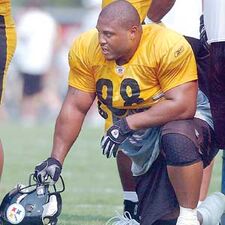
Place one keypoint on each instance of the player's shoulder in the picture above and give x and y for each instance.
(86, 42)
(86, 47)
(160, 33)
(163, 38)
(90, 35)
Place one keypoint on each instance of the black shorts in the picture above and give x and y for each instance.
(32, 84)
(155, 192)
(203, 64)
(217, 90)
(3, 54)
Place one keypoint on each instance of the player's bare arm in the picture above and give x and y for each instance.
(159, 9)
(179, 103)
(70, 120)
(67, 128)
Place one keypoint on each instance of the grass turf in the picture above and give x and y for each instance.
(93, 190)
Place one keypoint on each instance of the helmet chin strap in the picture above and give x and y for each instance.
(19, 199)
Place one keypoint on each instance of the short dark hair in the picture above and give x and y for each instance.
(122, 12)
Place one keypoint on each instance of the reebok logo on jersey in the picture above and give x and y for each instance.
(115, 133)
(179, 51)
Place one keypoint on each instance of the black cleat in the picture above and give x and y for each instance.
(132, 208)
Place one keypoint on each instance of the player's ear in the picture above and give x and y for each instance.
(133, 32)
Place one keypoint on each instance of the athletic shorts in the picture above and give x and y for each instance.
(32, 84)
(155, 192)
(217, 90)
(7, 48)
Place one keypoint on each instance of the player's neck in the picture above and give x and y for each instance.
(126, 57)
(121, 61)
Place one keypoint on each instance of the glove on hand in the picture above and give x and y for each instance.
(115, 136)
(203, 35)
(51, 167)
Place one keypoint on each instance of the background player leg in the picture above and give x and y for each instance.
(128, 184)
(1, 159)
(223, 183)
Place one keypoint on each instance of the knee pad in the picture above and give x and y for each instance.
(179, 150)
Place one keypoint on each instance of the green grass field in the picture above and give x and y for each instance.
(93, 191)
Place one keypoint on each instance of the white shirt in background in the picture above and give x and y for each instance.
(214, 19)
(36, 32)
(184, 17)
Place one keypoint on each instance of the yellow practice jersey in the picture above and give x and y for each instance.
(5, 11)
(162, 61)
(7, 41)
(5, 7)
(142, 6)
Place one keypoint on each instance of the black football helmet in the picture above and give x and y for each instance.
(35, 204)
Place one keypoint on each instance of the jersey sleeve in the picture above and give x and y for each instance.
(80, 74)
(177, 65)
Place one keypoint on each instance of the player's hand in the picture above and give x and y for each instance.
(51, 167)
(115, 136)
(203, 35)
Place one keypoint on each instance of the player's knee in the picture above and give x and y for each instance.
(179, 150)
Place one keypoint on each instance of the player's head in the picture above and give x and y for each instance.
(119, 30)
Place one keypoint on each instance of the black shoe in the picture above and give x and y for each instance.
(132, 208)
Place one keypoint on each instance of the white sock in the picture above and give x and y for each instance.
(130, 195)
(187, 217)
(212, 208)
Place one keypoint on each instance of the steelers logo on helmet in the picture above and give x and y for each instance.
(15, 213)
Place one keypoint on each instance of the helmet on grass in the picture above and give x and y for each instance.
(34, 204)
